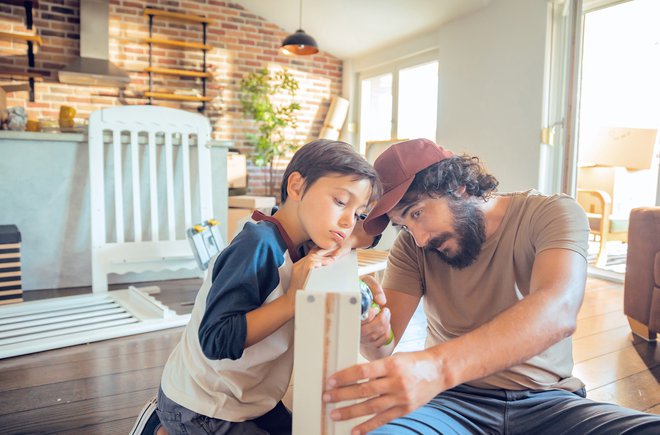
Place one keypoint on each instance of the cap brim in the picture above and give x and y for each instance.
(377, 220)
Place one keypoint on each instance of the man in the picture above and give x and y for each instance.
(503, 278)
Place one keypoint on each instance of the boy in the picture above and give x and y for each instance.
(233, 364)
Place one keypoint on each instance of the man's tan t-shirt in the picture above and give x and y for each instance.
(458, 301)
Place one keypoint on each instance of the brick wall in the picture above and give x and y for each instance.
(242, 41)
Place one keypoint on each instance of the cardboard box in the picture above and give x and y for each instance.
(236, 170)
(10, 265)
(236, 217)
(251, 202)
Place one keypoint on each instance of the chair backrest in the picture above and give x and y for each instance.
(150, 173)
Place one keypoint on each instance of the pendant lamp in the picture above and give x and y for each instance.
(300, 43)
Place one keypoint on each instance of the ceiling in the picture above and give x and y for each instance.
(349, 28)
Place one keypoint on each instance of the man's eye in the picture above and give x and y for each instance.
(339, 202)
(416, 214)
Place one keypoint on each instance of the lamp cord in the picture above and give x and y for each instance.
(300, 16)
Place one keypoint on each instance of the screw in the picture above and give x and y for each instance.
(310, 298)
(353, 300)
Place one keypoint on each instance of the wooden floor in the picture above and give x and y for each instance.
(100, 387)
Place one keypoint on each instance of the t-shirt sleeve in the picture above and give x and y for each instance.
(243, 277)
(560, 223)
(403, 273)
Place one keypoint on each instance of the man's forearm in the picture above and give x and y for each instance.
(513, 337)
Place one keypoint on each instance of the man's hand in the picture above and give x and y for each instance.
(376, 330)
(393, 387)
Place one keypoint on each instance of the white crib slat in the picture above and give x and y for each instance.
(185, 154)
(119, 191)
(203, 157)
(71, 323)
(48, 322)
(135, 177)
(63, 331)
(9, 322)
(169, 170)
(153, 187)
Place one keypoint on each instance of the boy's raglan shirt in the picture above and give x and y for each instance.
(209, 371)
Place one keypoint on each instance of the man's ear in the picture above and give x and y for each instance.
(295, 186)
(459, 192)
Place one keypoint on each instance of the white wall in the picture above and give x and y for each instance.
(490, 93)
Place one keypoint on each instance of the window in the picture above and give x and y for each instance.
(418, 102)
(400, 103)
(376, 107)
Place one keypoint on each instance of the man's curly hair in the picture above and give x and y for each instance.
(446, 177)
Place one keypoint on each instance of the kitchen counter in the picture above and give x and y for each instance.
(44, 191)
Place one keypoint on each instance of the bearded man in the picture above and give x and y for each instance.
(503, 277)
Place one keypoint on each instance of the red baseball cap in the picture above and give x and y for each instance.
(396, 168)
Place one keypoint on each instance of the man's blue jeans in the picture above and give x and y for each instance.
(468, 410)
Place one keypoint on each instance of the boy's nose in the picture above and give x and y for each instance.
(346, 220)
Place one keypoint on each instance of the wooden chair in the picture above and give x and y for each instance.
(598, 206)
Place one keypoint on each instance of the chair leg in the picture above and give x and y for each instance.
(641, 330)
(601, 258)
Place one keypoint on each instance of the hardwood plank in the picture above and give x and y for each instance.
(602, 301)
(113, 427)
(70, 417)
(19, 378)
(601, 322)
(165, 339)
(614, 366)
(601, 343)
(75, 390)
(639, 391)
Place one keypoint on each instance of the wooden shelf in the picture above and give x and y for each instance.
(181, 44)
(14, 86)
(178, 16)
(177, 72)
(22, 36)
(34, 3)
(177, 97)
(21, 75)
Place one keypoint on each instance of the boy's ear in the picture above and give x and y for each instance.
(295, 186)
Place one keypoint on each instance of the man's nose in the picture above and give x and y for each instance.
(421, 237)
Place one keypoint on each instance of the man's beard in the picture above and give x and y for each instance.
(469, 231)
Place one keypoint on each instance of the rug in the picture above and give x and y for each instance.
(616, 256)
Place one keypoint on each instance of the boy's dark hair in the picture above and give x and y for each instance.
(323, 157)
(447, 176)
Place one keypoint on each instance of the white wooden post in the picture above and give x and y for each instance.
(327, 339)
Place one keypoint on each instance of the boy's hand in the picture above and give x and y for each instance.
(315, 258)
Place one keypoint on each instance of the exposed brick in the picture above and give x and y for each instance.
(243, 42)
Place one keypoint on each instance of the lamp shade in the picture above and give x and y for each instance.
(300, 43)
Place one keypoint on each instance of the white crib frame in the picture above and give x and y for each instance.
(50, 324)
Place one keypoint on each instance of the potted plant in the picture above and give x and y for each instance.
(259, 90)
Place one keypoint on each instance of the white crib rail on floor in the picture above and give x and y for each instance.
(59, 322)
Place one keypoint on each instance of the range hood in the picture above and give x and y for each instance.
(93, 67)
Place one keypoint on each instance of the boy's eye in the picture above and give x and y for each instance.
(416, 214)
(340, 202)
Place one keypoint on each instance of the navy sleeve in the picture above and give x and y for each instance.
(245, 273)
